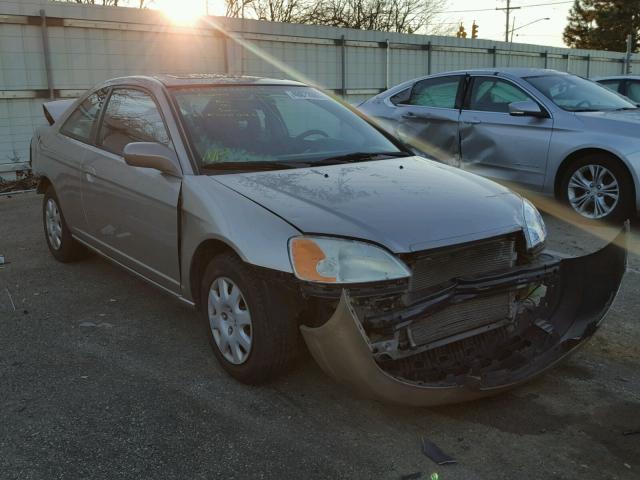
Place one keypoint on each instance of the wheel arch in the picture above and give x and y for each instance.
(573, 156)
(43, 184)
(204, 252)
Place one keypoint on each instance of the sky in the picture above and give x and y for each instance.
(491, 22)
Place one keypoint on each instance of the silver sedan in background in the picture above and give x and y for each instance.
(552, 132)
(627, 85)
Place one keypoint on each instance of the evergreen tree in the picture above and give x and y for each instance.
(603, 24)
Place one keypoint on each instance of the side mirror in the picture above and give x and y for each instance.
(152, 155)
(527, 108)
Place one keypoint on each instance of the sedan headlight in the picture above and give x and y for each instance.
(336, 260)
(535, 230)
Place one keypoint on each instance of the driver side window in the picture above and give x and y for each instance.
(491, 94)
(131, 116)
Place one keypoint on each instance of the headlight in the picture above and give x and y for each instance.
(335, 260)
(535, 231)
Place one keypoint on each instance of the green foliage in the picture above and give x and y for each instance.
(603, 24)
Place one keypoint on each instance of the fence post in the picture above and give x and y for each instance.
(428, 47)
(588, 66)
(225, 53)
(387, 64)
(343, 56)
(546, 58)
(495, 56)
(627, 58)
(46, 53)
(568, 63)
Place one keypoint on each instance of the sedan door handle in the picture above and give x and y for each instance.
(412, 115)
(473, 121)
(89, 173)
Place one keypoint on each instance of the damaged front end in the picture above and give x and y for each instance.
(440, 342)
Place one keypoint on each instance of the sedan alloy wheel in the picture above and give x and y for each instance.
(593, 191)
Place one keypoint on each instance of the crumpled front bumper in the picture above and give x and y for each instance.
(586, 288)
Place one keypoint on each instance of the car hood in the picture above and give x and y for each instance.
(617, 122)
(407, 204)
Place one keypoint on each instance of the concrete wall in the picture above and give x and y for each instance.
(89, 44)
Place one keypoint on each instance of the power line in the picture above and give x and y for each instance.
(494, 9)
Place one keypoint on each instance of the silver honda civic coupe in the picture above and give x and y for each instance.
(549, 131)
(275, 210)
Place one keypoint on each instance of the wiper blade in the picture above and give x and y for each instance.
(267, 165)
(361, 157)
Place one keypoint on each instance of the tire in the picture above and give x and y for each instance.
(56, 232)
(273, 335)
(600, 204)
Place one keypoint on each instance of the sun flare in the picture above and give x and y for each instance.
(182, 12)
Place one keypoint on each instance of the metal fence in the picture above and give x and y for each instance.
(57, 50)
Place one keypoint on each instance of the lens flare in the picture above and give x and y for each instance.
(181, 12)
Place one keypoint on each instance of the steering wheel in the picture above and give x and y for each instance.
(584, 103)
(308, 133)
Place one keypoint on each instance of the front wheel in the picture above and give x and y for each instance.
(253, 340)
(598, 187)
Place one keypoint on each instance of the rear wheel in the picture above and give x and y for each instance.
(59, 240)
(597, 187)
(253, 341)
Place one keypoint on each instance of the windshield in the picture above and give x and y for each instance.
(576, 94)
(288, 126)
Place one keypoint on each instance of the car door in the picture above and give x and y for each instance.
(426, 116)
(66, 151)
(132, 212)
(633, 90)
(496, 144)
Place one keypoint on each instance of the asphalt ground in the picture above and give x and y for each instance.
(102, 376)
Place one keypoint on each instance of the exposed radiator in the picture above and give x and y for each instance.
(463, 318)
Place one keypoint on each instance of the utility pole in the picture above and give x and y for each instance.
(507, 10)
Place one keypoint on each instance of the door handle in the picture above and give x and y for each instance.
(89, 173)
(473, 121)
(412, 115)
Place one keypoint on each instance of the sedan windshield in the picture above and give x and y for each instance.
(262, 127)
(576, 94)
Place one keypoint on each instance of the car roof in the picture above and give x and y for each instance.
(510, 71)
(199, 79)
(617, 77)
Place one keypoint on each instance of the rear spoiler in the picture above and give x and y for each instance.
(54, 110)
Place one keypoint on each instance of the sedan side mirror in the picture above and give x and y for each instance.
(527, 108)
(152, 155)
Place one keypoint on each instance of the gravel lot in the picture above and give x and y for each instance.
(102, 376)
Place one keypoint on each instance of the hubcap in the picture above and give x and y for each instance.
(593, 191)
(53, 222)
(230, 320)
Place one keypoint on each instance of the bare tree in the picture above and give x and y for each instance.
(238, 8)
(406, 16)
(289, 11)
